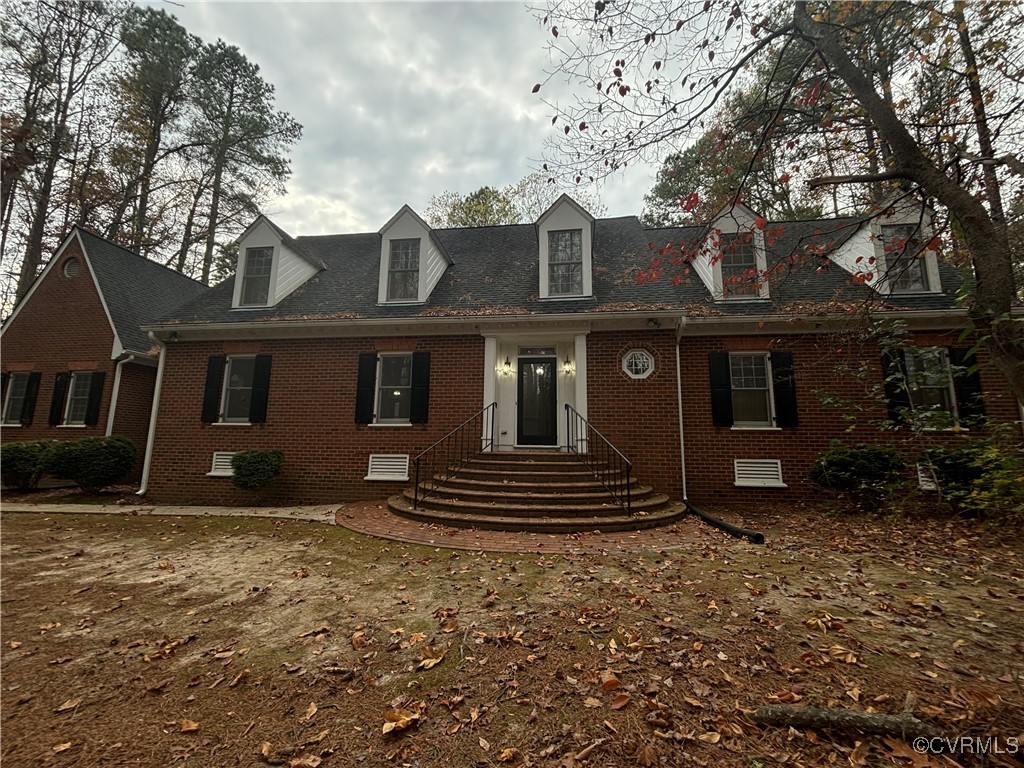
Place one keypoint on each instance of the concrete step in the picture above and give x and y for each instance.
(526, 484)
(490, 507)
(550, 496)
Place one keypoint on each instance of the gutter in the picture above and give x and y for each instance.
(151, 437)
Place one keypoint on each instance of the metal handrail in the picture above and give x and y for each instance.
(609, 466)
(456, 449)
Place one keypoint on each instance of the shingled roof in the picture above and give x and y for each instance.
(494, 271)
(136, 290)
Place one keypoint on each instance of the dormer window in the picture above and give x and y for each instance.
(256, 277)
(565, 262)
(905, 264)
(404, 270)
(739, 265)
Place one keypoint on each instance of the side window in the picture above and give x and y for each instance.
(938, 387)
(752, 389)
(20, 399)
(393, 388)
(237, 389)
(904, 265)
(76, 398)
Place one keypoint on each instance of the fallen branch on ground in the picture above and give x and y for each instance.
(905, 725)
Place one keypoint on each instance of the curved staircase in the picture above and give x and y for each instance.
(534, 491)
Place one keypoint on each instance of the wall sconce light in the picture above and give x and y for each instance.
(506, 368)
(567, 366)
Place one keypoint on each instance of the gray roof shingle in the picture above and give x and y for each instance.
(494, 270)
(136, 290)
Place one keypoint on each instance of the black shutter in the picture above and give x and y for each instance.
(212, 392)
(60, 389)
(367, 378)
(92, 409)
(721, 389)
(4, 378)
(894, 371)
(260, 389)
(28, 405)
(420, 388)
(967, 383)
(784, 389)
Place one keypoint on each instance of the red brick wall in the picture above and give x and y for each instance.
(844, 368)
(62, 328)
(638, 416)
(310, 417)
(134, 403)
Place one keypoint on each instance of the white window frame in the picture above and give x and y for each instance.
(70, 397)
(749, 288)
(954, 410)
(378, 386)
(912, 256)
(552, 265)
(243, 277)
(771, 423)
(392, 271)
(638, 352)
(15, 376)
(226, 386)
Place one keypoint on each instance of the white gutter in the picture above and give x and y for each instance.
(151, 437)
(681, 323)
(114, 393)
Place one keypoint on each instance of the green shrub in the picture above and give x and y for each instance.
(255, 469)
(92, 462)
(984, 477)
(869, 471)
(23, 463)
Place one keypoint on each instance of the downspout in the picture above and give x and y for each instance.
(743, 533)
(116, 391)
(680, 324)
(151, 437)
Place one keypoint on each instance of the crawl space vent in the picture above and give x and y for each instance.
(388, 466)
(759, 473)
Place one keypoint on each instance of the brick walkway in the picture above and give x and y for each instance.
(374, 519)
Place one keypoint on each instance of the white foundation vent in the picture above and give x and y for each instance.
(759, 473)
(925, 478)
(388, 466)
(221, 464)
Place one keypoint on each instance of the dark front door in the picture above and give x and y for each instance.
(537, 422)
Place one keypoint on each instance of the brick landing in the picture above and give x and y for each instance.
(374, 519)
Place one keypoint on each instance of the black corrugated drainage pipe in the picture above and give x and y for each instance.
(733, 530)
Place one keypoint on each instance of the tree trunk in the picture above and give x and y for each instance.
(905, 725)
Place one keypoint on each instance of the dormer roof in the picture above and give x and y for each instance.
(408, 210)
(564, 199)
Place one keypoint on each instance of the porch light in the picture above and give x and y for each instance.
(567, 366)
(506, 368)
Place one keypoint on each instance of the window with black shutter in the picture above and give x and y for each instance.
(393, 388)
(754, 390)
(21, 390)
(237, 389)
(936, 387)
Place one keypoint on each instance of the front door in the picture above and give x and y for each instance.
(537, 419)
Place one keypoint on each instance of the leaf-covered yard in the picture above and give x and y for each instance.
(216, 642)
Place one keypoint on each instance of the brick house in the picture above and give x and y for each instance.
(75, 361)
(354, 353)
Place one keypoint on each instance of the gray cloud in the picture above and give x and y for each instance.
(398, 102)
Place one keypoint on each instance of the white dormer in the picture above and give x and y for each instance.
(889, 252)
(269, 266)
(732, 260)
(565, 233)
(412, 259)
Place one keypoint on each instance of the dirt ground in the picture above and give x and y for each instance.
(145, 641)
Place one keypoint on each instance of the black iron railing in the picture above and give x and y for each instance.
(609, 466)
(453, 451)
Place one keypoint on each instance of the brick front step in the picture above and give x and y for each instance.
(539, 524)
(534, 491)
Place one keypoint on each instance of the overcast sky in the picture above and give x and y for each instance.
(398, 102)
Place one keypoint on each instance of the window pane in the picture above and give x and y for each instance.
(751, 402)
(238, 388)
(566, 279)
(904, 265)
(256, 280)
(394, 399)
(739, 265)
(565, 263)
(404, 270)
(16, 389)
(930, 382)
(565, 246)
(78, 398)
